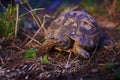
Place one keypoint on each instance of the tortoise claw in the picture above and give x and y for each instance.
(82, 52)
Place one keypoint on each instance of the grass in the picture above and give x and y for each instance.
(30, 53)
(7, 22)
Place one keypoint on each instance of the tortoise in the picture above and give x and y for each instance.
(74, 31)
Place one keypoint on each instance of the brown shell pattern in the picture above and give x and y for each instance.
(78, 25)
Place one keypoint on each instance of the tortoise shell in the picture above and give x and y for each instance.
(78, 25)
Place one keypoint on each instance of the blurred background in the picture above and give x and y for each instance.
(106, 8)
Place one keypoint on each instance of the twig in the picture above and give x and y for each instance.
(75, 59)
(67, 64)
(92, 55)
(15, 47)
(57, 56)
(17, 15)
(32, 39)
(24, 41)
(36, 32)
(0, 55)
(113, 58)
(31, 11)
(31, 15)
(70, 9)
(42, 24)
(2, 60)
(20, 52)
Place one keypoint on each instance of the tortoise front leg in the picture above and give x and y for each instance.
(78, 50)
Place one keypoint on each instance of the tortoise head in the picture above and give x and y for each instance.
(62, 42)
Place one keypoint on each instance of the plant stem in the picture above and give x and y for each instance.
(17, 15)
